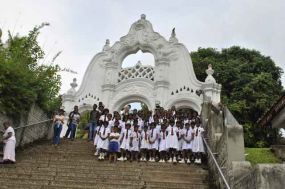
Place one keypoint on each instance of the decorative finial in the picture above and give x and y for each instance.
(210, 72)
(107, 45)
(74, 84)
(173, 38)
(143, 16)
(173, 34)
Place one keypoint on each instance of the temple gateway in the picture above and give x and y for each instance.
(171, 81)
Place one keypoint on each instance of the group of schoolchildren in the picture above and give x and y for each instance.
(165, 135)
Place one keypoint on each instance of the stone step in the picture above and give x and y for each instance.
(73, 165)
(104, 178)
(147, 176)
(85, 169)
(103, 173)
(95, 163)
(40, 183)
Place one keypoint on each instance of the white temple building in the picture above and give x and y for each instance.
(170, 82)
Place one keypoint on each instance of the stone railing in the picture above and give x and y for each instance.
(247, 181)
(225, 138)
(34, 127)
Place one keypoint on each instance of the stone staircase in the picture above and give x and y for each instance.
(73, 165)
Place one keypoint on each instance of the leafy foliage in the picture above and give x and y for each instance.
(250, 83)
(23, 81)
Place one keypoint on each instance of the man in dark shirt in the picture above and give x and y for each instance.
(93, 121)
(73, 121)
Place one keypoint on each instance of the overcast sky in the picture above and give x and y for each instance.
(80, 28)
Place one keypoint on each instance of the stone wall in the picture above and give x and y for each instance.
(224, 136)
(263, 176)
(34, 126)
(225, 139)
(279, 151)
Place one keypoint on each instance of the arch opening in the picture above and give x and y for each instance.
(145, 58)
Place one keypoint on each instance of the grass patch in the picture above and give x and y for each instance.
(260, 155)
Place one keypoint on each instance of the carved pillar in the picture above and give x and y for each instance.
(211, 89)
(161, 81)
(111, 76)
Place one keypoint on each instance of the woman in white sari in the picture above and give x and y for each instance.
(9, 141)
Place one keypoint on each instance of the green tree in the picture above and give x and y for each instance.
(250, 83)
(23, 81)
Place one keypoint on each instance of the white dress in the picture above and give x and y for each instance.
(136, 141)
(172, 139)
(141, 124)
(162, 142)
(103, 118)
(144, 140)
(153, 135)
(126, 134)
(180, 141)
(9, 145)
(188, 136)
(103, 144)
(198, 145)
(97, 135)
(111, 125)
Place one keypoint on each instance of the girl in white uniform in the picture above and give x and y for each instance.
(144, 143)
(103, 141)
(153, 141)
(114, 143)
(96, 138)
(188, 136)
(125, 141)
(162, 143)
(198, 145)
(180, 127)
(172, 139)
(9, 141)
(135, 143)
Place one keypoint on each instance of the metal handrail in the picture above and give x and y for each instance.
(30, 125)
(217, 165)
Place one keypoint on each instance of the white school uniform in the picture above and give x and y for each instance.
(122, 125)
(140, 124)
(185, 121)
(9, 145)
(188, 136)
(144, 140)
(153, 135)
(198, 145)
(97, 135)
(111, 124)
(136, 141)
(180, 141)
(172, 139)
(103, 144)
(126, 134)
(103, 118)
(158, 127)
(162, 141)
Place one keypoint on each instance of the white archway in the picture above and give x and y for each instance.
(171, 81)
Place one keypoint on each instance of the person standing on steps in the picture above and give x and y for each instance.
(74, 118)
(58, 121)
(9, 141)
(93, 122)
